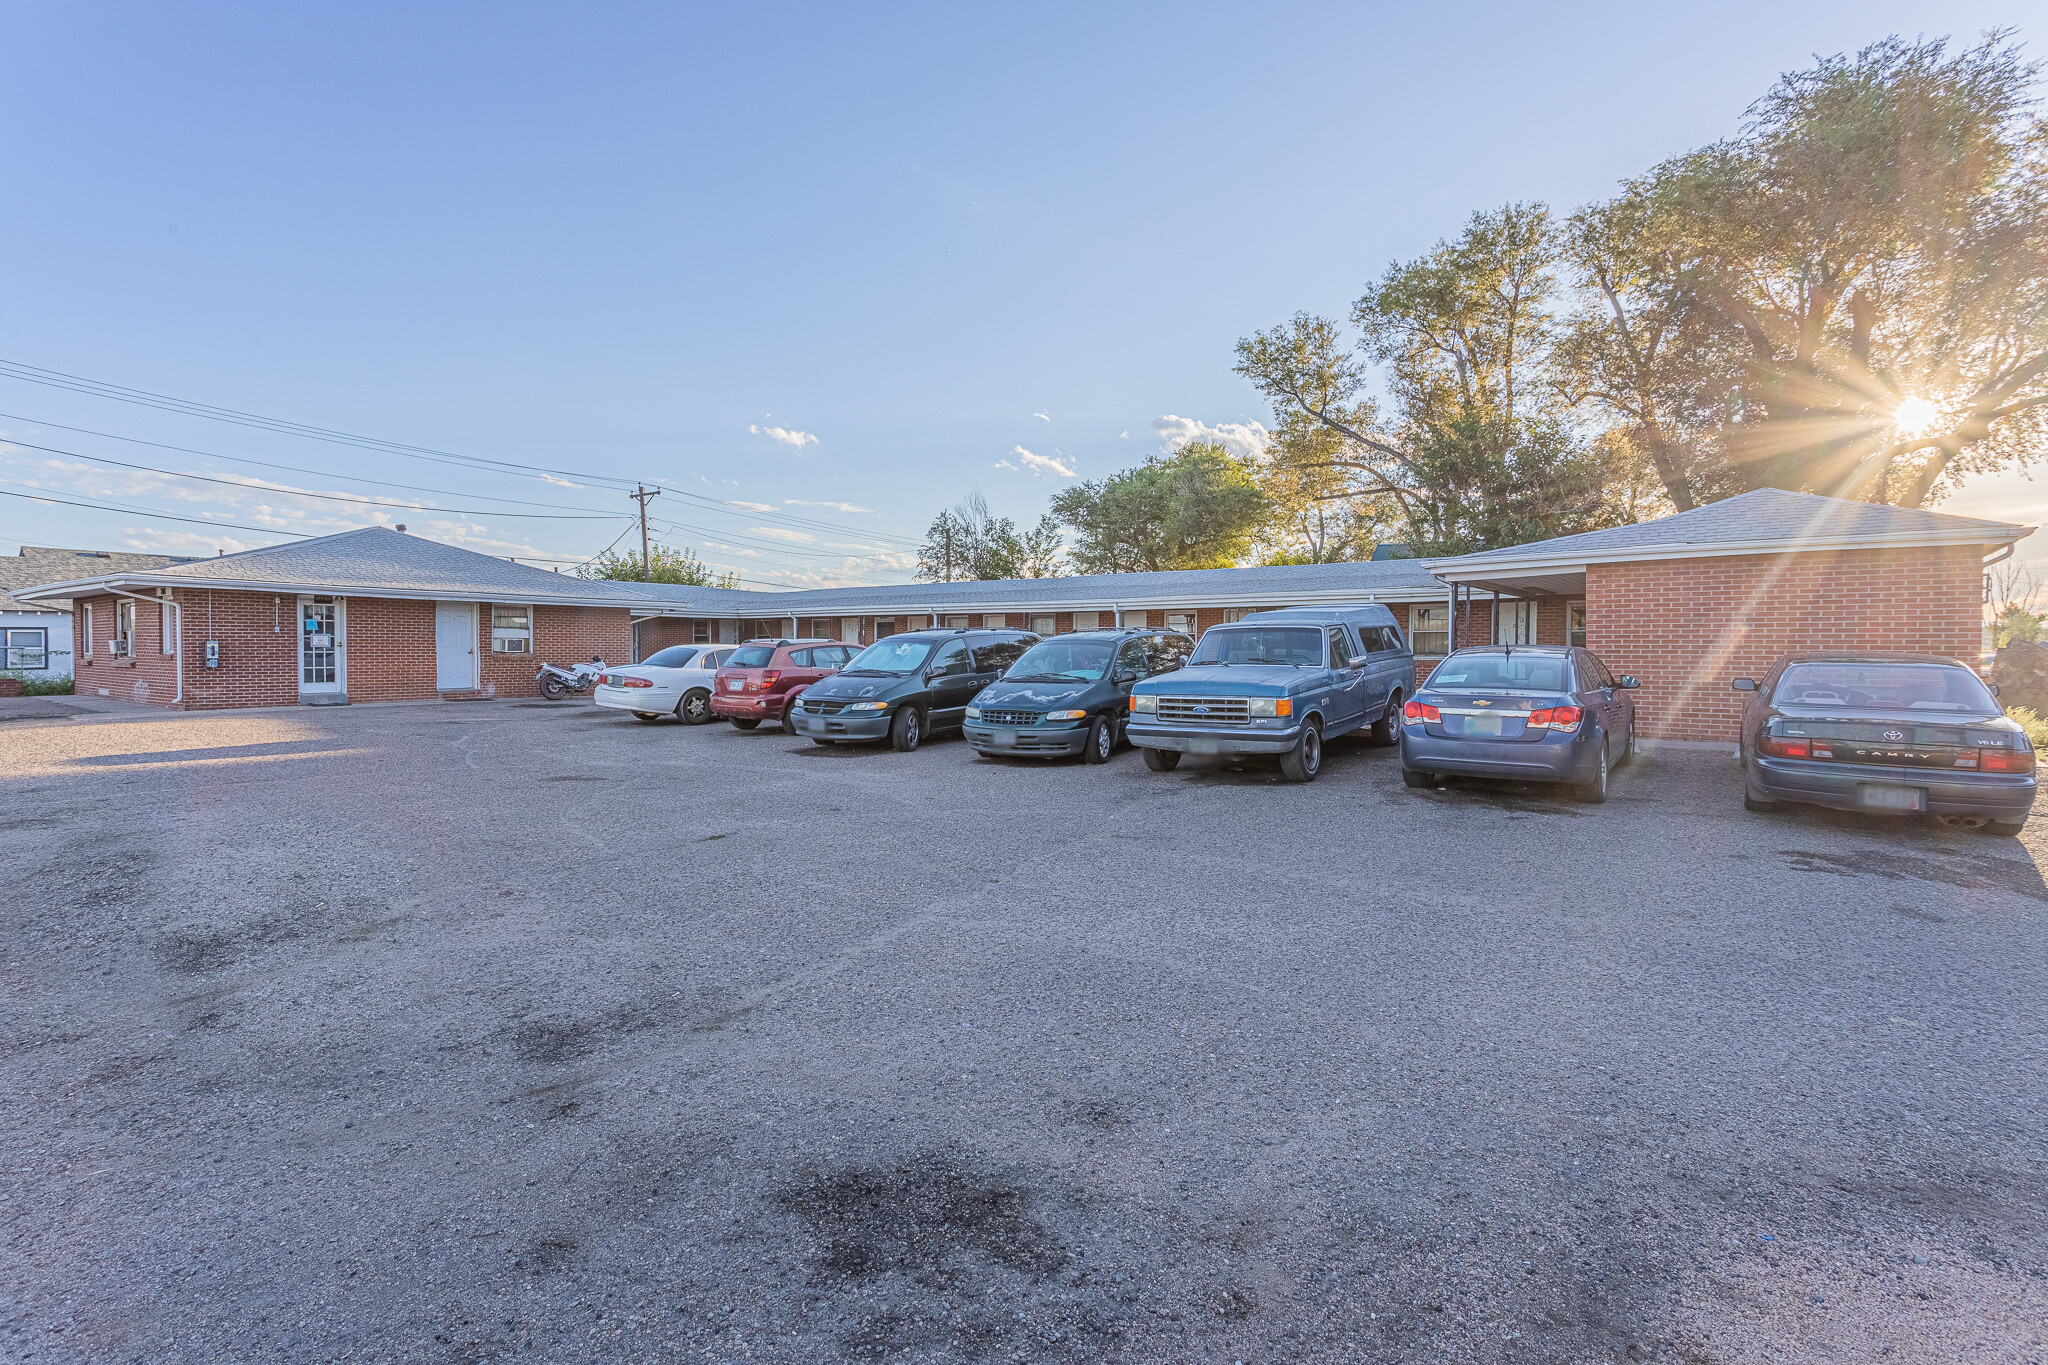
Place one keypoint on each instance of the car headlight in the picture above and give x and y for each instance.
(867, 706)
(1066, 715)
(1271, 706)
(1144, 705)
(974, 713)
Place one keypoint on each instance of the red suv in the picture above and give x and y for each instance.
(763, 677)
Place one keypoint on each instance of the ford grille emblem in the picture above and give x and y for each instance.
(1895, 735)
(1200, 710)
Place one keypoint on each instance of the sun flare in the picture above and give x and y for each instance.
(1915, 416)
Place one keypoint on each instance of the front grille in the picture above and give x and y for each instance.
(1009, 717)
(822, 708)
(1205, 710)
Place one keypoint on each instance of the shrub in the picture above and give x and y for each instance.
(2030, 721)
(40, 687)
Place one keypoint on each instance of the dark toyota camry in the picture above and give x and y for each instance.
(1886, 733)
(1540, 713)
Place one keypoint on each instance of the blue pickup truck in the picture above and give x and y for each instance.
(1278, 682)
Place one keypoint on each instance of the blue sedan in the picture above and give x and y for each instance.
(1534, 713)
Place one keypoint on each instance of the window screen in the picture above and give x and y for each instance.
(511, 630)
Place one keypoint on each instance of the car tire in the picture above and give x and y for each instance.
(906, 732)
(1305, 759)
(750, 723)
(1386, 730)
(789, 717)
(694, 708)
(1101, 741)
(1412, 777)
(648, 715)
(2009, 828)
(1594, 792)
(1162, 760)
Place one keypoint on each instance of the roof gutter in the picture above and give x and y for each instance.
(1467, 568)
(86, 587)
(1320, 597)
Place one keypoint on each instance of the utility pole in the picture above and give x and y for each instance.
(640, 494)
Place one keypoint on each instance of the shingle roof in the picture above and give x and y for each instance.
(379, 562)
(1760, 521)
(1281, 583)
(40, 564)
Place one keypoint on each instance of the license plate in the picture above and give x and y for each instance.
(1894, 798)
(1002, 739)
(1204, 746)
(734, 684)
(1482, 725)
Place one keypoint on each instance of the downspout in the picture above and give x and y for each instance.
(1116, 613)
(178, 653)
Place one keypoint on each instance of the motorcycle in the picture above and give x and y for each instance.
(557, 683)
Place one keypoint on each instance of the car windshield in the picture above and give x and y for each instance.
(753, 656)
(894, 656)
(675, 656)
(1884, 686)
(1532, 672)
(1301, 645)
(1057, 660)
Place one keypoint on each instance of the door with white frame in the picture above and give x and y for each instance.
(454, 646)
(322, 673)
(1514, 623)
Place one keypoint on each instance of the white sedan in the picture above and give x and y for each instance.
(670, 682)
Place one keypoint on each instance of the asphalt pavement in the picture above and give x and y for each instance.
(517, 1031)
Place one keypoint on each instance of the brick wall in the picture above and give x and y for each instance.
(390, 648)
(1686, 628)
(147, 675)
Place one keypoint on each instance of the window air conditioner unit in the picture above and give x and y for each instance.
(120, 647)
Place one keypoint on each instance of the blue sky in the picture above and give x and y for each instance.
(920, 243)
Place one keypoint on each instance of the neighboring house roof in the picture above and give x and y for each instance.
(1265, 585)
(372, 562)
(40, 564)
(1764, 521)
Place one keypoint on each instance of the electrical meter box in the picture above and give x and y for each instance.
(213, 654)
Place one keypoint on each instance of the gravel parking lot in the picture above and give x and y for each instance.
(516, 1031)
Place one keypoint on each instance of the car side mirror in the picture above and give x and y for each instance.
(1628, 681)
(1994, 689)
(1123, 677)
(1744, 684)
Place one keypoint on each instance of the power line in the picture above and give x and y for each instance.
(304, 493)
(291, 468)
(160, 516)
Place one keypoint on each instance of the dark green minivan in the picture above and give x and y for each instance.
(1070, 694)
(907, 686)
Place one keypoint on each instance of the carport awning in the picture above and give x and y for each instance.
(1556, 584)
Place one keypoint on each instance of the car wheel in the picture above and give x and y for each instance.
(694, 708)
(1594, 792)
(789, 717)
(1411, 777)
(1162, 760)
(906, 731)
(750, 723)
(648, 715)
(2008, 828)
(1101, 740)
(1387, 729)
(1305, 759)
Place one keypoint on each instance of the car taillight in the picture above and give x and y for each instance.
(2004, 761)
(1422, 711)
(632, 682)
(765, 681)
(1564, 719)
(1782, 746)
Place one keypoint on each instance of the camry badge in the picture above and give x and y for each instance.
(1895, 735)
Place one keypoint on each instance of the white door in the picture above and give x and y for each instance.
(320, 673)
(454, 646)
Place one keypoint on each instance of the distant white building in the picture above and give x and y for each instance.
(35, 637)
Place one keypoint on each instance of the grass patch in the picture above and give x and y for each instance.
(2032, 723)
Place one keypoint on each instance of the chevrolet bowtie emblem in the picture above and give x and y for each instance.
(1482, 702)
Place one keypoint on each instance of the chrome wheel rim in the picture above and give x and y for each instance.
(1312, 751)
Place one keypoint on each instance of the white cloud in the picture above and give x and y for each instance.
(559, 483)
(1239, 438)
(1041, 417)
(1123, 435)
(777, 533)
(836, 506)
(1004, 464)
(756, 506)
(1041, 464)
(796, 439)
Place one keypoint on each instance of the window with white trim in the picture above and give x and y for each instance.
(1182, 621)
(956, 623)
(1087, 620)
(1575, 624)
(25, 647)
(700, 632)
(167, 626)
(995, 620)
(124, 627)
(1429, 629)
(1044, 625)
(87, 620)
(511, 630)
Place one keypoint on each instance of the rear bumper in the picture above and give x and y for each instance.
(1039, 741)
(656, 699)
(866, 725)
(740, 706)
(1554, 758)
(1839, 786)
(1192, 739)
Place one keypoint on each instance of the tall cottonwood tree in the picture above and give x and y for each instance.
(1197, 508)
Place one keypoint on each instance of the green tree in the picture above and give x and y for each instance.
(667, 564)
(970, 542)
(1197, 508)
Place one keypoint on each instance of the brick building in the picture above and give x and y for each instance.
(369, 615)
(1689, 602)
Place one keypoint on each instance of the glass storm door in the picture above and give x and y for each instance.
(319, 646)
